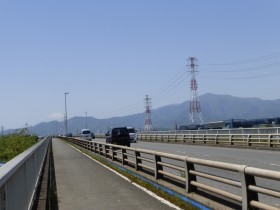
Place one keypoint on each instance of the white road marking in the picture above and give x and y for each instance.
(271, 164)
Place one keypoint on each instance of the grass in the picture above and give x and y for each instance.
(14, 144)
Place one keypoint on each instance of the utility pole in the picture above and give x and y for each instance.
(2, 130)
(55, 128)
(86, 120)
(195, 115)
(66, 126)
(148, 120)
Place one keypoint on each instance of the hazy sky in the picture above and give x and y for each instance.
(109, 54)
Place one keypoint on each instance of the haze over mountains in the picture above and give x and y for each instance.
(214, 107)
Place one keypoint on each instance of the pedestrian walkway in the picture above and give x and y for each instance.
(84, 184)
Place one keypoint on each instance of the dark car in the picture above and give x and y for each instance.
(119, 136)
(92, 135)
(69, 135)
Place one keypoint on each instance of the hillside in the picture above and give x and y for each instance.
(214, 107)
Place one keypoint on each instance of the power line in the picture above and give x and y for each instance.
(170, 82)
(247, 77)
(174, 87)
(166, 89)
(257, 59)
(248, 69)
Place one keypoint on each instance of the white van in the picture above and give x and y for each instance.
(132, 134)
(86, 134)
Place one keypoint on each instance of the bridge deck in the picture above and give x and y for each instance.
(84, 184)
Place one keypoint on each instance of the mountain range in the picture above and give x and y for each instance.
(213, 107)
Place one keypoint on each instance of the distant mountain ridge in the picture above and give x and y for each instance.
(214, 107)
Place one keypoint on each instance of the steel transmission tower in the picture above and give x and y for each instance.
(148, 120)
(195, 115)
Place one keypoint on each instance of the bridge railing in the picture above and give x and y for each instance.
(249, 140)
(19, 177)
(236, 184)
(265, 130)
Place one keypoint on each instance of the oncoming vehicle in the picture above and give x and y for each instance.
(92, 135)
(86, 134)
(69, 135)
(132, 134)
(119, 136)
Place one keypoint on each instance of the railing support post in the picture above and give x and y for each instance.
(137, 161)
(92, 147)
(248, 140)
(112, 148)
(189, 177)
(123, 156)
(99, 149)
(157, 166)
(247, 195)
(269, 141)
(105, 148)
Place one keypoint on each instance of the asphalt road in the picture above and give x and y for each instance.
(84, 184)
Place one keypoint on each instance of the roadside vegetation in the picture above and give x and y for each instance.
(14, 144)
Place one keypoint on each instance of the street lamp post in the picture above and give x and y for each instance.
(66, 127)
(86, 119)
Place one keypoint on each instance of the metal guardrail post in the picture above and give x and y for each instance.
(123, 156)
(112, 149)
(137, 161)
(94, 147)
(230, 140)
(247, 195)
(105, 152)
(87, 145)
(248, 140)
(91, 146)
(157, 166)
(99, 149)
(269, 141)
(189, 177)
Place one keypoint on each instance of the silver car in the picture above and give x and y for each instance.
(132, 134)
(86, 134)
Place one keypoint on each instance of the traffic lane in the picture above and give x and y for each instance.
(84, 184)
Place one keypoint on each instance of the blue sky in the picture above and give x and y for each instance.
(109, 54)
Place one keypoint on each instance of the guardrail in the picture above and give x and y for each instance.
(238, 185)
(248, 140)
(266, 130)
(19, 177)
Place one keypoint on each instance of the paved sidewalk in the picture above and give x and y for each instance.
(84, 184)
